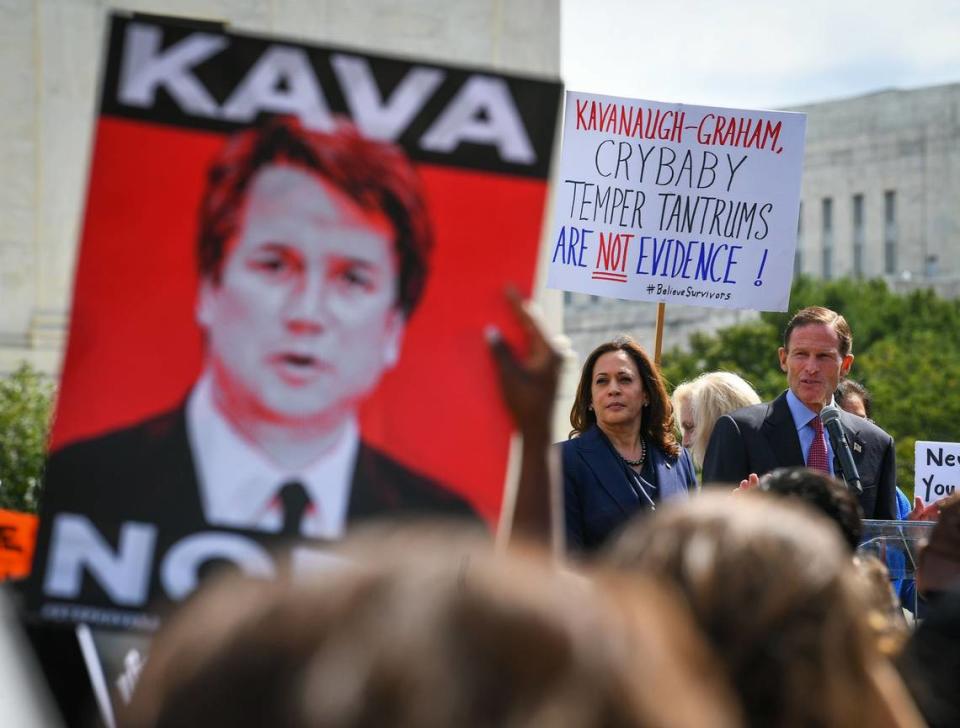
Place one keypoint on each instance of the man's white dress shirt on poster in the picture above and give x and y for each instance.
(239, 484)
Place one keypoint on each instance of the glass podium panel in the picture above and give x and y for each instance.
(897, 544)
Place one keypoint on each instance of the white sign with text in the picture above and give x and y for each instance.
(937, 469)
(677, 203)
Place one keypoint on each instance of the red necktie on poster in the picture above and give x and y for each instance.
(817, 457)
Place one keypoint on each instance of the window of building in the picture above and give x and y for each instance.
(827, 237)
(890, 232)
(858, 236)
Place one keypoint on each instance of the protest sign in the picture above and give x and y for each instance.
(936, 470)
(288, 258)
(677, 203)
(18, 532)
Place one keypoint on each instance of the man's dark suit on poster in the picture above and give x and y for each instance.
(147, 473)
(760, 438)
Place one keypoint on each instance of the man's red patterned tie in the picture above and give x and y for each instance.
(817, 457)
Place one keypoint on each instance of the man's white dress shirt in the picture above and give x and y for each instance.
(239, 484)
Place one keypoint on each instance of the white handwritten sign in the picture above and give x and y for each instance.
(937, 470)
(677, 203)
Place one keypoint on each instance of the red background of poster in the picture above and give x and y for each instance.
(135, 349)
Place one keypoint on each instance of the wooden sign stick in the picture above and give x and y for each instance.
(661, 308)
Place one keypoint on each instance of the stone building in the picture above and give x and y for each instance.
(881, 184)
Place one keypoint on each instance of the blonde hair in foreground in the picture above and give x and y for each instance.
(432, 631)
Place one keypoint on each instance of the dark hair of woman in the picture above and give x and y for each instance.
(657, 426)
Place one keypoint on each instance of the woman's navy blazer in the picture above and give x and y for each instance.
(598, 498)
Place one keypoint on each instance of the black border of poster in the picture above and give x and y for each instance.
(536, 100)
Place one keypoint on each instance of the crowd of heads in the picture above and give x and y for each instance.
(772, 587)
(720, 611)
(428, 628)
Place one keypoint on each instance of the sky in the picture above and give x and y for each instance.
(764, 54)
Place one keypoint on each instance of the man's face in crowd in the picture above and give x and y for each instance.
(303, 321)
(813, 364)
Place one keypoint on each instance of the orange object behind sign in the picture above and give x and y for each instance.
(18, 534)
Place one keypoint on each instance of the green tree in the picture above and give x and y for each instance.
(25, 405)
(913, 380)
(906, 347)
(749, 349)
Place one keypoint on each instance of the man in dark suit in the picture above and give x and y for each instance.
(815, 355)
(312, 256)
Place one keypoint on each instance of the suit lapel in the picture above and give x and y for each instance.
(176, 480)
(607, 469)
(781, 432)
(851, 425)
(367, 501)
(668, 485)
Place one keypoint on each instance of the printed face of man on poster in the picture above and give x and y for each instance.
(302, 317)
(313, 252)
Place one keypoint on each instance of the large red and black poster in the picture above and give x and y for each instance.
(289, 255)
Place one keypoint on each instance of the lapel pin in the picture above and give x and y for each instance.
(856, 447)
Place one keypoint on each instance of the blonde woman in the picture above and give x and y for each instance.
(698, 404)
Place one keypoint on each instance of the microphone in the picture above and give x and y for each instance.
(830, 416)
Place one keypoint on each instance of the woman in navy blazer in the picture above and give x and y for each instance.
(622, 456)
